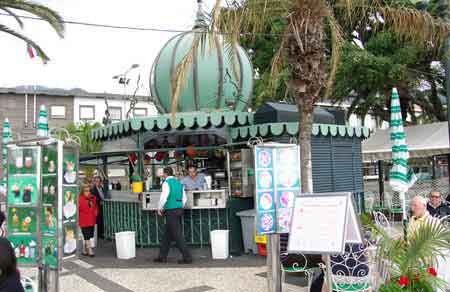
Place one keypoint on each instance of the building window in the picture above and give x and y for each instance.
(57, 111)
(140, 112)
(87, 112)
(116, 113)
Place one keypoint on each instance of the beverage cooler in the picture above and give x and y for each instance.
(242, 179)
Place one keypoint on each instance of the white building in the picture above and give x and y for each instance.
(91, 108)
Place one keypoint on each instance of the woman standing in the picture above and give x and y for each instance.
(9, 275)
(88, 212)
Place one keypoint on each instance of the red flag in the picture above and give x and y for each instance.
(30, 51)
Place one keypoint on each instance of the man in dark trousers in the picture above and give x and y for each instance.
(171, 204)
(98, 191)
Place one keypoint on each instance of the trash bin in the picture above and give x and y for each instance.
(248, 230)
(220, 244)
(126, 245)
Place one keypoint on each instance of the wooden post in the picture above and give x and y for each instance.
(273, 263)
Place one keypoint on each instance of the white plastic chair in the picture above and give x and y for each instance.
(28, 284)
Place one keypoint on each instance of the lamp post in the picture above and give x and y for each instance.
(124, 80)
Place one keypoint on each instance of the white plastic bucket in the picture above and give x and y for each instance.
(125, 245)
(219, 244)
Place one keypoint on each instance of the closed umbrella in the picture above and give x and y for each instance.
(42, 125)
(6, 138)
(401, 176)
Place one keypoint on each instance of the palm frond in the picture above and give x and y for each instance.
(27, 40)
(47, 14)
(16, 17)
(180, 75)
(337, 42)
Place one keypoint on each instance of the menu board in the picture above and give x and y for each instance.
(320, 224)
(277, 184)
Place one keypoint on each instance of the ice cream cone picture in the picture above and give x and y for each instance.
(70, 244)
(15, 218)
(26, 224)
(16, 190)
(51, 166)
(69, 175)
(27, 193)
(49, 219)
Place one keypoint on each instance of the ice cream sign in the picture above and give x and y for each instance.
(277, 184)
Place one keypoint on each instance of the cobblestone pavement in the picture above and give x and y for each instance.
(105, 273)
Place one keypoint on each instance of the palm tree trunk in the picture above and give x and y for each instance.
(306, 110)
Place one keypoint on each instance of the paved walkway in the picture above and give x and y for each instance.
(105, 273)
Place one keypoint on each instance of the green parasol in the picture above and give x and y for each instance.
(401, 176)
(42, 125)
(6, 138)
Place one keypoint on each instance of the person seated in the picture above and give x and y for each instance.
(436, 207)
(420, 215)
(9, 275)
(194, 181)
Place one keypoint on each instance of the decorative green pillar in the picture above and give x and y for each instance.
(140, 155)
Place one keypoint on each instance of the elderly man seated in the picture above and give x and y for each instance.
(436, 207)
(420, 215)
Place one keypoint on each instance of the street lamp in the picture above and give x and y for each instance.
(124, 80)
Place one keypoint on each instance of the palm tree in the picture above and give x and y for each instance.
(310, 26)
(45, 13)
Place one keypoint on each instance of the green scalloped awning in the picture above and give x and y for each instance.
(190, 120)
(291, 129)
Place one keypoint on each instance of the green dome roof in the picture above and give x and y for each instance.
(211, 83)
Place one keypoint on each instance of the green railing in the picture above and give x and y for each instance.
(197, 223)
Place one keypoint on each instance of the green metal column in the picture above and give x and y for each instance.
(140, 155)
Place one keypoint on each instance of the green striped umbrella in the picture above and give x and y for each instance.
(42, 125)
(6, 137)
(401, 176)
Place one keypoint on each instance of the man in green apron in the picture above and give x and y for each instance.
(171, 203)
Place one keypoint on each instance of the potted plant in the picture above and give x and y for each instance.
(137, 185)
(412, 260)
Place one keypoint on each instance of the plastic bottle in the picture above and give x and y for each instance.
(27, 252)
(22, 250)
(32, 246)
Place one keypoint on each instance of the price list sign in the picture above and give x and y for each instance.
(277, 185)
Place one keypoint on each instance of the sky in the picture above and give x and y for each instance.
(89, 57)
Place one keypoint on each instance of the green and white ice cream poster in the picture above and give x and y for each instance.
(49, 246)
(49, 221)
(22, 160)
(49, 159)
(49, 190)
(70, 195)
(21, 220)
(25, 248)
(70, 240)
(22, 190)
(70, 166)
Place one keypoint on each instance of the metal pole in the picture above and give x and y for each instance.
(328, 274)
(381, 181)
(447, 83)
(273, 263)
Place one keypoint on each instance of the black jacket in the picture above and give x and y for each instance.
(441, 211)
(95, 192)
(12, 284)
